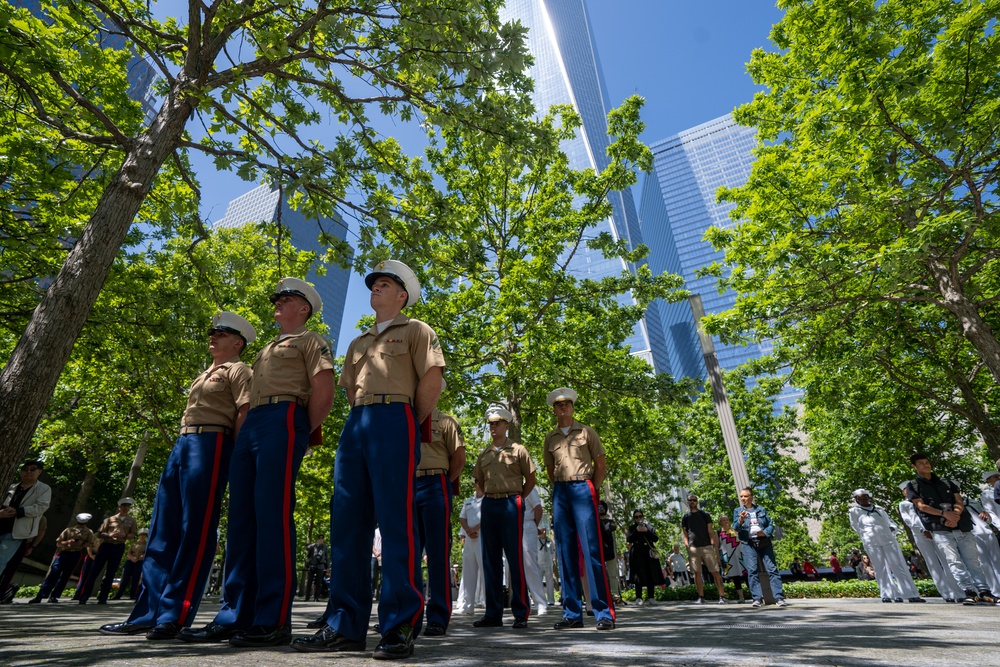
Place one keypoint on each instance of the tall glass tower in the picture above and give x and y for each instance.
(262, 204)
(678, 206)
(567, 70)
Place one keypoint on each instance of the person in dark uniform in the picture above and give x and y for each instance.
(644, 566)
(114, 532)
(575, 461)
(71, 544)
(317, 563)
(183, 533)
(291, 393)
(132, 572)
(442, 457)
(506, 474)
(392, 376)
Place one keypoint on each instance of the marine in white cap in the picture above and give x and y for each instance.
(575, 462)
(291, 393)
(988, 497)
(392, 376)
(114, 532)
(183, 532)
(505, 473)
(878, 535)
(70, 544)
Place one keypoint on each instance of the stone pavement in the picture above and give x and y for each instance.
(855, 632)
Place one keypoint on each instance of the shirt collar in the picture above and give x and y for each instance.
(396, 321)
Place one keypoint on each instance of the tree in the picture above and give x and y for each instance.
(256, 76)
(874, 192)
(514, 319)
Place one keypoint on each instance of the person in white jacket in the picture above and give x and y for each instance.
(470, 590)
(986, 498)
(21, 510)
(878, 535)
(947, 587)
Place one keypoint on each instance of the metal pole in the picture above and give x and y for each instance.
(732, 440)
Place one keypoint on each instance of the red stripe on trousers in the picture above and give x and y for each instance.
(205, 521)
(286, 511)
(520, 554)
(447, 535)
(411, 475)
(600, 548)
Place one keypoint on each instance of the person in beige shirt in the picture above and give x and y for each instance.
(132, 572)
(506, 474)
(291, 393)
(71, 543)
(183, 532)
(442, 457)
(392, 377)
(114, 532)
(575, 462)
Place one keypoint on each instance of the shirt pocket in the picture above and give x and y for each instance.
(392, 350)
(286, 352)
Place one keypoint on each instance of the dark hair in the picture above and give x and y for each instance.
(748, 488)
(917, 456)
(637, 511)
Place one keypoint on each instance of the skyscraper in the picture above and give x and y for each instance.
(567, 70)
(678, 206)
(262, 204)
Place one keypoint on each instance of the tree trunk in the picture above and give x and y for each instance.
(83, 495)
(30, 376)
(974, 328)
(988, 429)
(137, 461)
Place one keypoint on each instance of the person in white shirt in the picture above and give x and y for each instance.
(946, 585)
(533, 513)
(878, 535)
(470, 589)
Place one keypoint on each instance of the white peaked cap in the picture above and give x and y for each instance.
(399, 272)
(561, 394)
(496, 413)
(233, 323)
(298, 287)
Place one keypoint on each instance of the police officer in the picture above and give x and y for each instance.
(574, 459)
(392, 376)
(878, 535)
(442, 457)
(184, 528)
(290, 395)
(114, 532)
(71, 543)
(506, 474)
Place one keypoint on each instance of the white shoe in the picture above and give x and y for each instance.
(780, 602)
(757, 604)
(638, 602)
(722, 600)
(542, 610)
(700, 600)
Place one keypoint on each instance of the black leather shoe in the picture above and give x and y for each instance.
(163, 631)
(487, 622)
(520, 623)
(398, 643)
(435, 630)
(566, 624)
(590, 612)
(327, 640)
(263, 635)
(213, 632)
(317, 624)
(100, 601)
(35, 600)
(124, 629)
(605, 624)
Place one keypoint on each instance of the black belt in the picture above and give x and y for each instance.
(382, 399)
(205, 428)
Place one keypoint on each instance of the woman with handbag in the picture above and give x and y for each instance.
(754, 528)
(644, 558)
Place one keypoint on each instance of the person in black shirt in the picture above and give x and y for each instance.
(942, 511)
(699, 538)
(317, 563)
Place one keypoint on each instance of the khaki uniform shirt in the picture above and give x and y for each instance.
(446, 439)
(217, 394)
(573, 454)
(503, 471)
(286, 366)
(77, 532)
(137, 550)
(126, 524)
(391, 362)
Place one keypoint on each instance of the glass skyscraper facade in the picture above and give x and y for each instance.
(262, 204)
(678, 206)
(567, 70)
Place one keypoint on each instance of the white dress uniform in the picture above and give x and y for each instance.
(986, 543)
(990, 506)
(545, 560)
(878, 535)
(939, 571)
(529, 543)
(470, 589)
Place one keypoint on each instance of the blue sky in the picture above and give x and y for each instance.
(688, 59)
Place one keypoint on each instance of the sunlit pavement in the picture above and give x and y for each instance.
(806, 632)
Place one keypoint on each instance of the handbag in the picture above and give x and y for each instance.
(653, 553)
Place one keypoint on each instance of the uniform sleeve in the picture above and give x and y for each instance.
(852, 516)
(452, 431)
(316, 355)
(477, 473)
(594, 443)
(547, 458)
(105, 526)
(425, 349)
(527, 465)
(239, 382)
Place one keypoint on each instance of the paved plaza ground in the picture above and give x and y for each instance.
(807, 632)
